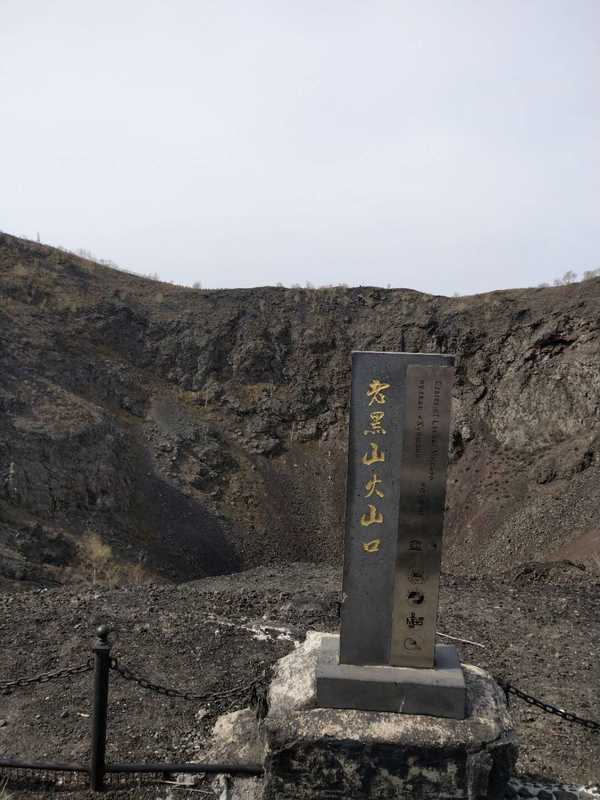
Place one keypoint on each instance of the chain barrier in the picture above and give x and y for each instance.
(509, 689)
(45, 677)
(250, 689)
(254, 690)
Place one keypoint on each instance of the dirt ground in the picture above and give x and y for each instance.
(536, 626)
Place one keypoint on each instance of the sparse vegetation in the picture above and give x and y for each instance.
(82, 252)
(312, 287)
(97, 561)
(571, 277)
(95, 555)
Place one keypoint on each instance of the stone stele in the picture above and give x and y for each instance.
(329, 753)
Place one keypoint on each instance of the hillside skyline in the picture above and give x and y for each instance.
(564, 279)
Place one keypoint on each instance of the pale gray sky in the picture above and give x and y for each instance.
(443, 146)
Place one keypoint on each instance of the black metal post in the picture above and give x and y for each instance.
(101, 673)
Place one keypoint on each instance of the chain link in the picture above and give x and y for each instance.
(128, 675)
(590, 724)
(45, 677)
(253, 690)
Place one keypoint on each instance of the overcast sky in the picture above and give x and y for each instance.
(448, 146)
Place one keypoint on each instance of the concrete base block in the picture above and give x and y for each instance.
(330, 753)
(439, 692)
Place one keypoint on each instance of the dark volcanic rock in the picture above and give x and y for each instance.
(218, 633)
(196, 432)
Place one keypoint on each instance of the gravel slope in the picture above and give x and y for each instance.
(538, 626)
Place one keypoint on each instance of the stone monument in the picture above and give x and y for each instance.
(382, 712)
(387, 658)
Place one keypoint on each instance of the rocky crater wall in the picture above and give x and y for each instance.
(198, 432)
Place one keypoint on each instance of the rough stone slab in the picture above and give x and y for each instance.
(326, 754)
(439, 692)
(236, 739)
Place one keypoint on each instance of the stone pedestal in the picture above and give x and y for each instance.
(439, 692)
(323, 753)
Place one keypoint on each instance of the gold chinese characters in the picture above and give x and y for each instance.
(376, 455)
(375, 424)
(371, 486)
(374, 485)
(374, 518)
(375, 392)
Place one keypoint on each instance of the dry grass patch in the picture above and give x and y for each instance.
(97, 563)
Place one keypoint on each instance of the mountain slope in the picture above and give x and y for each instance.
(200, 432)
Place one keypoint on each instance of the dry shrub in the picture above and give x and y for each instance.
(95, 556)
(135, 574)
(98, 564)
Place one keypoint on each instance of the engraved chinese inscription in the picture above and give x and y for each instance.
(374, 484)
(394, 507)
(422, 498)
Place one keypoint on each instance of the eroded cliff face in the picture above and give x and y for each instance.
(198, 432)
